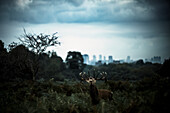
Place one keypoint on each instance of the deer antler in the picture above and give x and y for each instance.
(83, 76)
(96, 94)
(103, 76)
(87, 77)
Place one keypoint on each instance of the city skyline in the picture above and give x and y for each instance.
(110, 59)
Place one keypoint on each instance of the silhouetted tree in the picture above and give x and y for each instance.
(74, 65)
(165, 69)
(38, 44)
(3, 61)
(140, 62)
(74, 60)
(2, 49)
(50, 67)
(12, 45)
(20, 60)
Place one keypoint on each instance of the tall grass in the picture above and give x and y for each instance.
(66, 97)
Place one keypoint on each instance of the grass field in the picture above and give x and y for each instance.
(150, 95)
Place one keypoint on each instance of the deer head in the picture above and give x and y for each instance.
(96, 94)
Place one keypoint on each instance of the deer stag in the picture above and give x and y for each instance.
(96, 94)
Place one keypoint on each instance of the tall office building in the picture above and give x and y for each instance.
(104, 59)
(128, 59)
(94, 58)
(100, 57)
(110, 59)
(86, 58)
(93, 61)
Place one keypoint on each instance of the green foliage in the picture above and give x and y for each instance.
(38, 44)
(140, 62)
(20, 63)
(125, 71)
(50, 67)
(149, 95)
(165, 69)
(74, 60)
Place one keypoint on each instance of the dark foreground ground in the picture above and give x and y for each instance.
(150, 95)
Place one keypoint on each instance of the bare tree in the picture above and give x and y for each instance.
(38, 44)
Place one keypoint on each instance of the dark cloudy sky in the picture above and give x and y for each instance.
(139, 28)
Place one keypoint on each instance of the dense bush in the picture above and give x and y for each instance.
(20, 63)
(149, 95)
(128, 71)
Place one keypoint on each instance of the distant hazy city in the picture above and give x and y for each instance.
(110, 59)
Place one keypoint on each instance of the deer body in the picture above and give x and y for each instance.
(96, 94)
(105, 94)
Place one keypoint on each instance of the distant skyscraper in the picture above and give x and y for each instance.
(100, 57)
(128, 59)
(94, 58)
(104, 59)
(110, 59)
(86, 58)
(93, 62)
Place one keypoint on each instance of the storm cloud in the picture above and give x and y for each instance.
(84, 11)
(159, 8)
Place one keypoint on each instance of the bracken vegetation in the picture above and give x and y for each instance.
(149, 95)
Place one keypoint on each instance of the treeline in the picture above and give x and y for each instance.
(132, 71)
(129, 71)
(20, 63)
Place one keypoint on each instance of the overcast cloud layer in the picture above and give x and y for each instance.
(83, 11)
(143, 19)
